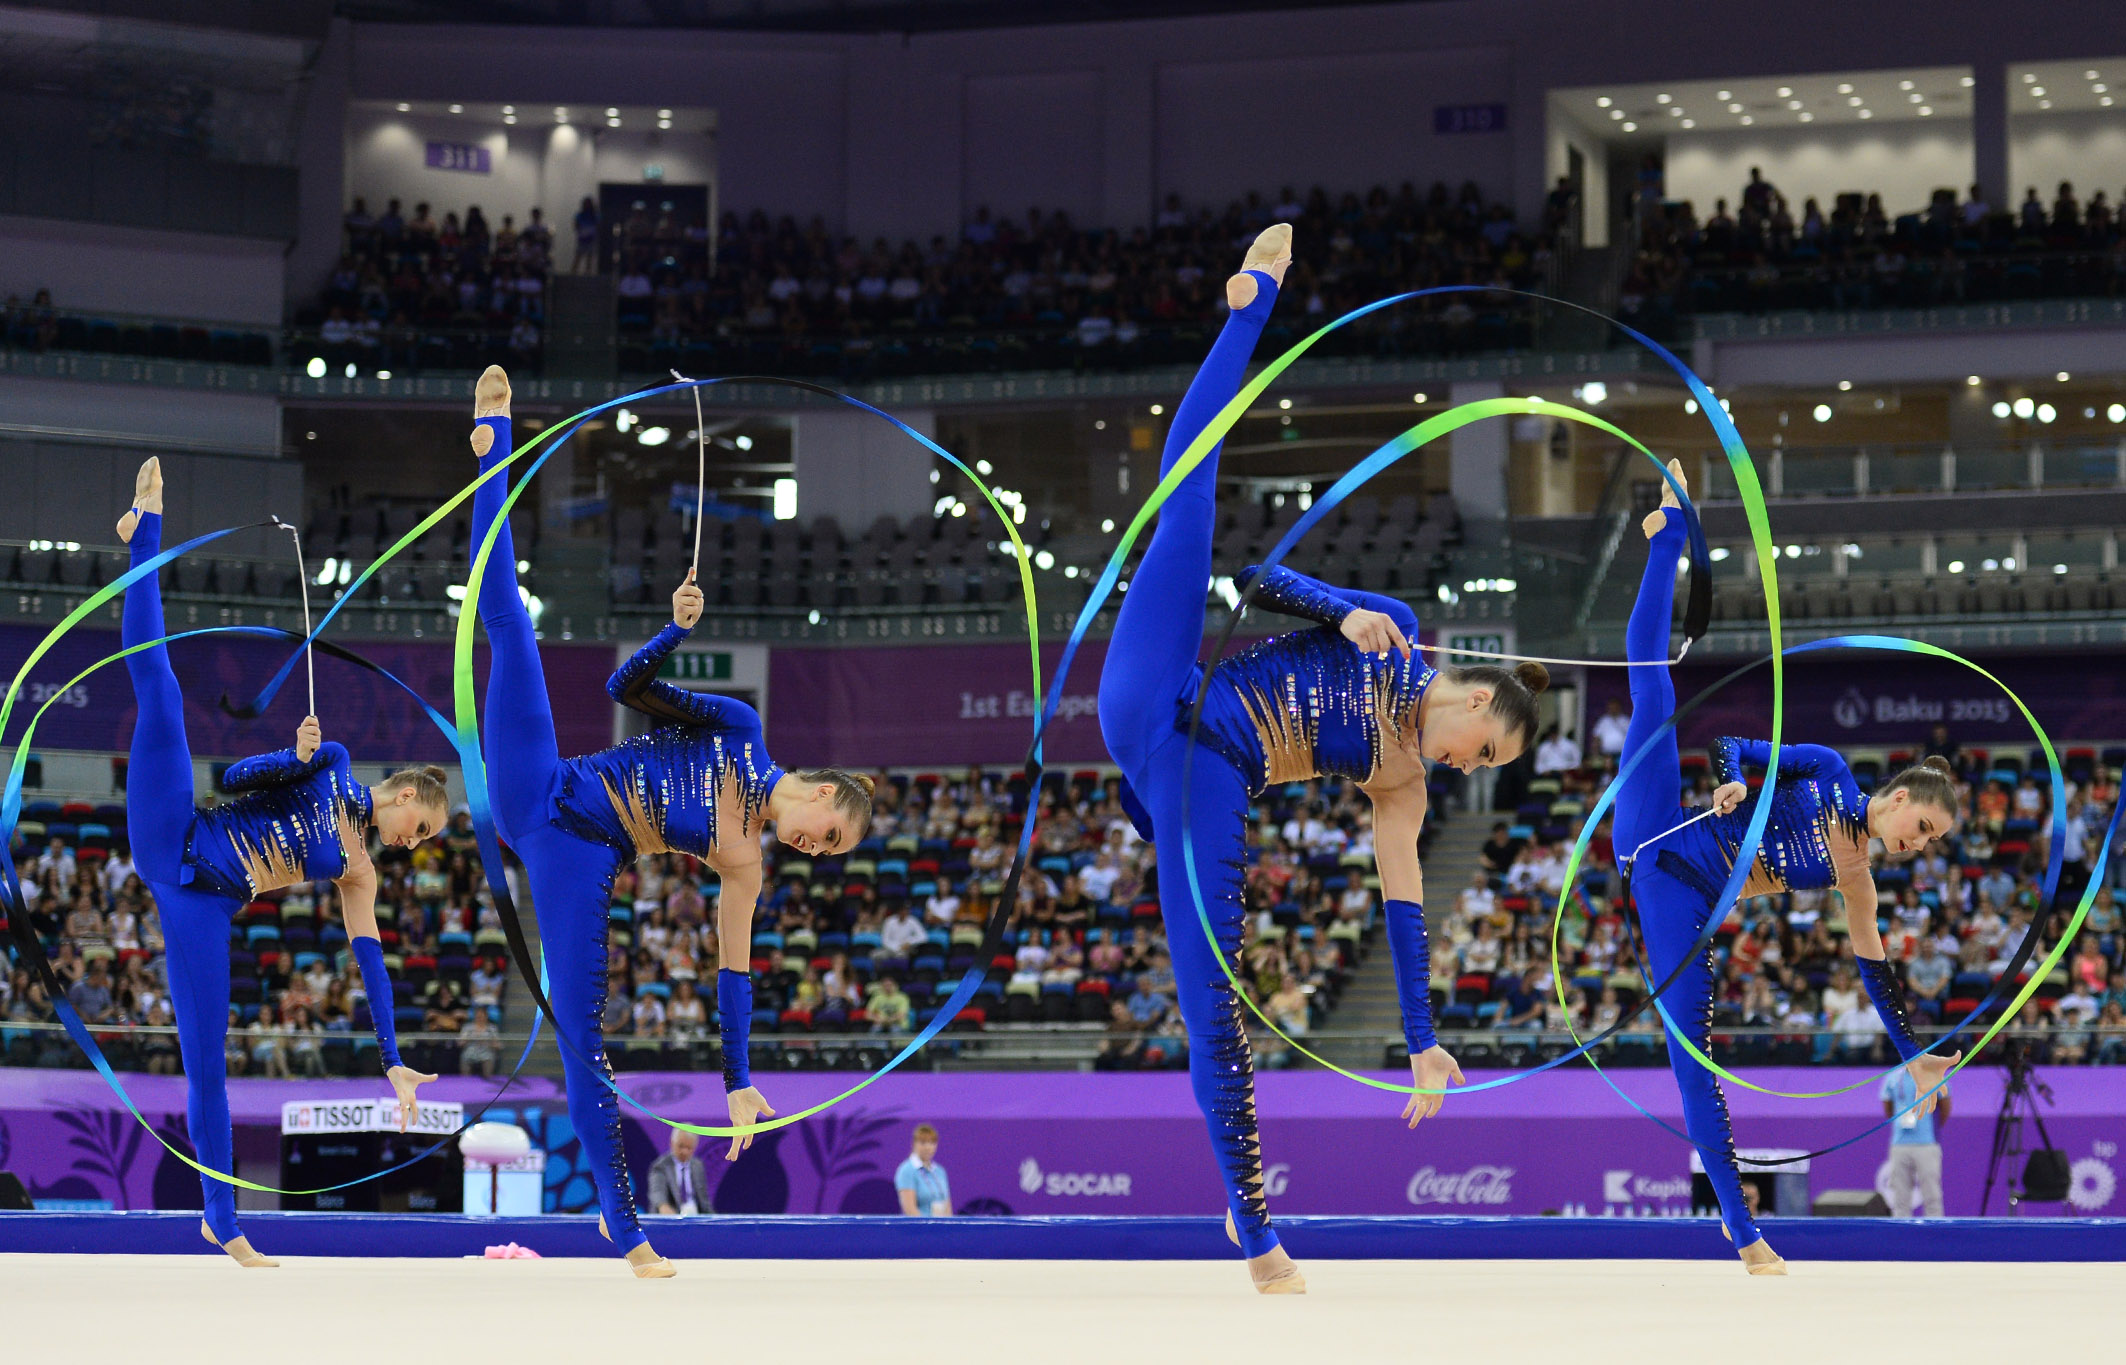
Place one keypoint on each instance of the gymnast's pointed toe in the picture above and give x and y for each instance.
(490, 396)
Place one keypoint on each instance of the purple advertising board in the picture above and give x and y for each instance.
(942, 704)
(375, 720)
(1873, 697)
(1128, 1144)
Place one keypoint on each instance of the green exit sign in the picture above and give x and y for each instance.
(697, 666)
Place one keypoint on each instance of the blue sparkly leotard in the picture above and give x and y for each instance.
(202, 866)
(284, 828)
(1816, 836)
(1310, 703)
(664, 791)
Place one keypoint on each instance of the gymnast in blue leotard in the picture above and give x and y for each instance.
(300, 816)
(702, 784)
(1817, 836)
(1349, 698)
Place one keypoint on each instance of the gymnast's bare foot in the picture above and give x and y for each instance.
(1759, 1258)
(1658, 518)
(1271, 254)
(238, 1246)
(1274, 1273)
(490, 396)
(147, 497)
(646, 1264)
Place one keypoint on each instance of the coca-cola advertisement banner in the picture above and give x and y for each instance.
(936, 704)
(1122, 1144)
(1874, 697)
(375, 720)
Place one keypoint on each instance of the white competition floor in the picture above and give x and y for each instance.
(328, 1309)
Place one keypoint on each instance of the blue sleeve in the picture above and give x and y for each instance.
(1294, 594)
(904, 1177)
(1731, 756)
(1881, 982)
(1412, 955)
(635, 685)
(376, 984)
(734, 1023)
(281, 768)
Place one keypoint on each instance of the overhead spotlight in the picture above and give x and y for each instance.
(2089, 75)
(1747, 120)
(1419, 398)
(1956, 566)
(2024, 407)
(1690, 123)
(383, 374)
(1724, 95)
(1616, 113)
(350, 369)
(509, 108)
(2047, 414)
(1100, 425)
(1734, 108)
(654, 436)
(1845, 87)
(983, 467)
(664, 123)
(785, 494)
(1593, 392)
(404, 107)
(1807, 117)
(1786, 91)
(1630, 127)
(1904, 85)
(1845, 386)
(2029, 77)
(2044, 104)
(1690, 407)
(1284, 403)
(1793, 104)
(510, 119)
(1719, 554)
(560, 114)
(1107, 524)
(1916, 98)
(2037, 91)
(664, 113)
(612, 123)
(612, 113)
(2099, 88)
(1042, 559)
(2105, 101)
(1855, 102)
(1822, 412)
(743, 443)
(1158, 409)
(1603, 101)
(1664, 99)
(1867, 113)
(2062, 376)
(2116, 412)
(457, 108)
(1675, 111)
(1926, 111)
(316, 368)
(1968, 81)
(1973, 380)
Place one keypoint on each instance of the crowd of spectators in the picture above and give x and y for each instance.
(1044, 292)
(1766, 254)
(1952, 919)
(297, 1006)
(869, 943)
(412, 292)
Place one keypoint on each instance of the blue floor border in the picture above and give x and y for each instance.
(1085, 1239)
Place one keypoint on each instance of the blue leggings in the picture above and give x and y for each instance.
(1672, 913)
(571, 878)
(195, 923)
(1150, 662)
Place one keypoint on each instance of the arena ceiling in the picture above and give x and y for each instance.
(814, 16)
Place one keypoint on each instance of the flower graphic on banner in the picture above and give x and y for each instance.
(2092, 1184)
(111, 1140)
(838, 1147)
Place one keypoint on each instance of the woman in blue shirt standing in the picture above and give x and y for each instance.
(920, 1181)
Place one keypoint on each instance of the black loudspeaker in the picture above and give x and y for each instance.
(12, 1196)
(1850, 1204)
(2046, 1178)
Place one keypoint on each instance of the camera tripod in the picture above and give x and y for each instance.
(2021, 1096)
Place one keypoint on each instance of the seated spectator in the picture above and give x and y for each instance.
(888, 1007)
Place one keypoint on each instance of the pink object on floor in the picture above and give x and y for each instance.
(511, 1252)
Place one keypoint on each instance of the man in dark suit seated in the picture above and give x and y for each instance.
(678, 1182)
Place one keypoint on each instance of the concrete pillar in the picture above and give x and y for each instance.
(1989, 133)
(1477, 465)
(321, 143)
(855, 468)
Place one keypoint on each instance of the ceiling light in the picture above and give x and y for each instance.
(2044, 104)
(1724, 95)
(1867, 113)
(2029, 77)
(1158, 409)
(1822, 412)
(612, 123)
(1855, 101)
(1807, 117)
(1747, 120)
(1845, 386)
(2099, 88)
(2038, 91)
(2089, 75)
(1793, 104)
(405, 108)
(509, 108)
(1284, 403)
(664, 123)
(1616, 113)
(1675, 111)
(1926, 111)
(1845, 87)
(1594, 392)
(1956, 566)
(654, 436)
(1734, 108)
(1973, 380)
(509, 118)
(457, 108)
(560, 114)
(612, 113)
(2024, 407)
(1916, 97)
(1603, 102)
(1904, 85)
(2105, 101)
(664, 113)
(1969, 81)
(1630, 127)
(743, 443)
(1690, 123)
(2046, 412)
(2116, 412)
(1785, 90)
(2001, 410)
(1664, 99)
(2062, 376)
(1417, 398)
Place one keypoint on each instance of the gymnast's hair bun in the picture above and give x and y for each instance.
(866, 781)
(1937, 763)
(1533, 676)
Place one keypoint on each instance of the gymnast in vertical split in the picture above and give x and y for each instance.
(702, 783)
(300, 817)
(1348, 698)
(1817, 836)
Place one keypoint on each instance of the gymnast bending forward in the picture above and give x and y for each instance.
(1817, 836)
(300, 817)
(702, 783)
(1348, 698)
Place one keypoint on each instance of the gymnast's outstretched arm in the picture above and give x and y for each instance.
(1398, 817)
(1373, 622)
(635, 685)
